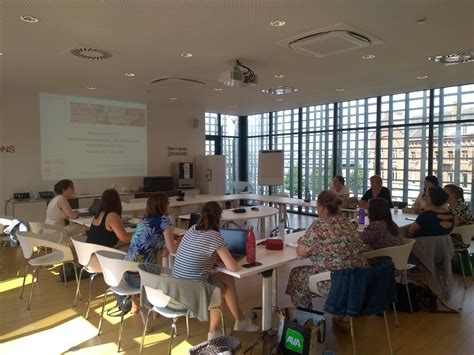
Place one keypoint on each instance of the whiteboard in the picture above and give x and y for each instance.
(270, 167)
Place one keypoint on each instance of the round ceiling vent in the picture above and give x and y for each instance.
(91, 53)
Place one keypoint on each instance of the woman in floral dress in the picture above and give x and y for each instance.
(331, 243)
(153, 233)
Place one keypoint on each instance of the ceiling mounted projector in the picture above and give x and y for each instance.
(239, 76)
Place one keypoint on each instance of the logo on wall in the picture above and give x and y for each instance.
(7, 149)
(179, 151)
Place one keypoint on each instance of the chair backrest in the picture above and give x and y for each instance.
(86, 252)
(114, 266)
(466, 232)
(49, 229)
(242, 187)
(399, 254)
(29, 240)
(359, 292)
(156, 279)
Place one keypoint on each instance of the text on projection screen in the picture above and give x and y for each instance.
(91, 138)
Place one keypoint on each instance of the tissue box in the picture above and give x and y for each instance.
(274, 244)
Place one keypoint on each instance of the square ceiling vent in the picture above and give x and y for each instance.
(330, 40)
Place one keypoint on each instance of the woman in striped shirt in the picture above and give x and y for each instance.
(196, 257)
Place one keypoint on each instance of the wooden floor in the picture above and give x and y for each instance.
(53, 326)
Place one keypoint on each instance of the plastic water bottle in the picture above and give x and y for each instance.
(361, 216)
(250, 246)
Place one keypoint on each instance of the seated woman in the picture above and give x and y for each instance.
(436, 220)
(197, 255)
(331, 243)
(461, 212)
(420, 204)
(153, 233)
(107, 228)
(382, 232)
(376, 190)
(340, 189)
(59, 208)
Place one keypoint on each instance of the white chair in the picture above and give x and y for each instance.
(113, 267)
(87, 258)
(152, 276)
(326, 276)
(466, 232)
(61, 254)
(242, 187)
(48, 231)
(399, 255)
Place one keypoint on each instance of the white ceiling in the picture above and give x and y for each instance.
(147, 37)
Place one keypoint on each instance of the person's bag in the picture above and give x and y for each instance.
(403, 303)
(122, 307)
(430, 300)
(302, 332)
(70, 274)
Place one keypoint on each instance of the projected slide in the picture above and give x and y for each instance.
(91, 138)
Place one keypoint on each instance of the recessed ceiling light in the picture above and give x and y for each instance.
(130, 75)
(368, 56)
(186, 55)
(233, 106)
(339, 90)
(29, 19)
(278, 100)
(1, 53)
(279, 76)
(280, 90)
(217, 89)
(421, 77)
(277, 23)
(91, 88)
(173, 98)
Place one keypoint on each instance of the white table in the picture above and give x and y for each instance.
(270, 260)
(261, 214)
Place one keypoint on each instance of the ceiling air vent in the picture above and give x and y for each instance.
(176, 82)
(330, 40)
(85, 52)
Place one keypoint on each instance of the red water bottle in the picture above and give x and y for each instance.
(250, 246)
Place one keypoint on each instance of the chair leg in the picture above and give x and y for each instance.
(470, 265)
(395, 314)
(173, 333)
(102, 312)
(64, 273)
(187, 325)
(388, 333)
(462, 269)
(353, 337)
(144, 330)
(89, 299)
(408, 292)
(24, 279)
(78, 286)
(32, 285)
(120, 333)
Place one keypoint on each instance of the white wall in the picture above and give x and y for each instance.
(169, 125)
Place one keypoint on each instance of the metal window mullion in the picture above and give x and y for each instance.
(389, 166)
(326, 147)
(366, 146)
(405, 156)
(457, 150)
(440, 136)
(424, 158)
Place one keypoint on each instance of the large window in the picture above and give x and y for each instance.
(402, 137)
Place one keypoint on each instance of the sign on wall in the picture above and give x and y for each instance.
(7, 149)
(177, 151)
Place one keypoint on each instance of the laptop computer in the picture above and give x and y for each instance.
(92, 210)
(235, 239)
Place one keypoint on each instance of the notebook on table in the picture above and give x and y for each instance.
(235, 239)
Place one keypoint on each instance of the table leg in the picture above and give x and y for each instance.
(274, 289)
(262, 228)
(266, 299)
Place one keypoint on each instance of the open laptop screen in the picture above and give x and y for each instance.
(235, 239)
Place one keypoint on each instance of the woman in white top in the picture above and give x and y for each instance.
(339, 188)
(420, 204)
(59, 208)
